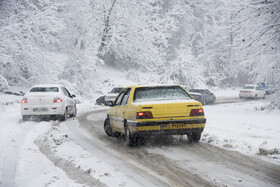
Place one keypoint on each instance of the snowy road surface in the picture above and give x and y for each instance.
(77, 152)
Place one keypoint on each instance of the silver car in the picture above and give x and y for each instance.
(252, 91)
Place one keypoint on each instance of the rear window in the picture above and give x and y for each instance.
(44, 89)
(160, 93)
(248, 87)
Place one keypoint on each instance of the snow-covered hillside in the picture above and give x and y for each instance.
(214, 43)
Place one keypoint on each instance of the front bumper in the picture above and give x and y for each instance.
(178, 127)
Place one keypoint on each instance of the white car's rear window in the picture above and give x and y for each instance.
(44, 89)
(248, 87)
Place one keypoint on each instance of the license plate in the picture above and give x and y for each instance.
(40, 109)
(174, 126)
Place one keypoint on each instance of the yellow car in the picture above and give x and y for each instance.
(154, 110)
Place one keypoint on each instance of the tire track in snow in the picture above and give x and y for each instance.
(156, 165)
(225, 167)
(71, 171)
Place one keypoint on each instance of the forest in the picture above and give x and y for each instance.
(222, 43)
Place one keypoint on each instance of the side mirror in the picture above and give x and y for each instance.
(110, 103)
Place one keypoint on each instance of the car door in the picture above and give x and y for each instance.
(116, 118)
(70, 102)
(207, 96)
(122, 109)
(260, 92)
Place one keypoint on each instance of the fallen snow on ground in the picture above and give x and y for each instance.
(244, 127)
(89, 164)
(21, 162)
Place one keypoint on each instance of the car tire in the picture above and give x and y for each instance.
(256, 97)
(264, 96)
(214, 100)
(204, 102)
(25, 118)
(64, 116)
(74, 112)
(108, 127)
(128, 138)
(194, 137)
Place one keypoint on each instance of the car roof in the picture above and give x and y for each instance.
(202, 89)
(47, 85)
(251, 85)
(152, 85)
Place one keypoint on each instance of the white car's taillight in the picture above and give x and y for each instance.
(24, 100)
(57, 100)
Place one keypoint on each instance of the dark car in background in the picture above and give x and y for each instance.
(111, 96)
(100, 100)
(203, 95)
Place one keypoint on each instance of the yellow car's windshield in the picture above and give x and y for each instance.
(160, 93)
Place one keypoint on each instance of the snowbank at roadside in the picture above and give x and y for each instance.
(244, 127)
(21, 162)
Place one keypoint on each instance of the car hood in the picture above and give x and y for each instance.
(112, 94)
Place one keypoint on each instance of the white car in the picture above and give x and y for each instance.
(252, 91)
(48, 100)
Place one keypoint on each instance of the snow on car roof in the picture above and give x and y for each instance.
(47, 85)
(194, 93)
(152, 85)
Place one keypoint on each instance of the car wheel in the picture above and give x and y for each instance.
(128, 138)
(255, 97)
(214, 100)
(64, 116)
(25, 118)
(204, 102)
(194, 137)
(74, 112)
(108, 127)
(264, 96)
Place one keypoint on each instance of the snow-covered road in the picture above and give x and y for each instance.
(77, 152)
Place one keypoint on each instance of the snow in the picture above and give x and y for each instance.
(243, 127)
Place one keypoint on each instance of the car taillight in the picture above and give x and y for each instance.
(24, 100)
(144, 115)
(57, 100)
(250, 92)
(197, 112)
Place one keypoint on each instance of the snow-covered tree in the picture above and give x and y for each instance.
(257, 39)
(136, 34)
(25, 27)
